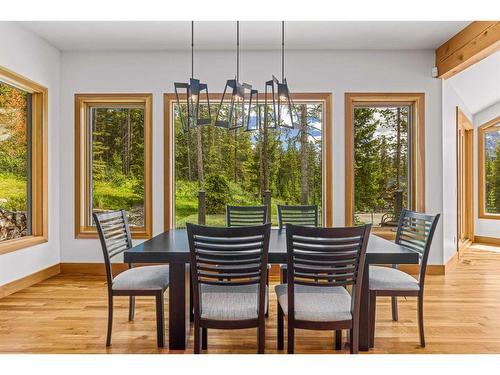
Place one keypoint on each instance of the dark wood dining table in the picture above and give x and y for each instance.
(172, 247)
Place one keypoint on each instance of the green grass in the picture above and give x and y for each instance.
(112, 196)
(12, 192)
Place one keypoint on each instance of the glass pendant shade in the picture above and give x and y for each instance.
(193, 104)
(279, 109)
(238, 107)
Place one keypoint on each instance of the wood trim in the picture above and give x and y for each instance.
(326, 98)
(92, 268)
(39, 161)
(27, 281)
(417, 101)
(482, 214)
(464, 124)
(495, 241)
(474, 43)
(82, 101)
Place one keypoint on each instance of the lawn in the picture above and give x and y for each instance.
(12, 192)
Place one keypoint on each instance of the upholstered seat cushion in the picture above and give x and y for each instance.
(230, 302)
(387, 278)
(142, 278)
(317, 303)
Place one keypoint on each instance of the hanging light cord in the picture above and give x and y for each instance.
(192, 49)
(282, 50)
(237, 51)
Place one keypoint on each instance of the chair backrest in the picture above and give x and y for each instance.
(298, 215)
(241, 216)
(415, 232)
(326, 257)
(114, 234)
(228, 257)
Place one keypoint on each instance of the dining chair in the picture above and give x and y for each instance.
(228, 274)
(322, 262)
(306, 215)
(240, 216)
(415, 232)
(114, 234)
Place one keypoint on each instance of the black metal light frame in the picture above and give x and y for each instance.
(242, 99)
(279, 98)
(191, 94)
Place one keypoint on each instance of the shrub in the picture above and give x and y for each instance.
(217, 193)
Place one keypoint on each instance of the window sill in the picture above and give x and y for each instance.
(140, 233)
(21, 243)
(489, 216)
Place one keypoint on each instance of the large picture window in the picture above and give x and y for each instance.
(234, 167)
(489, 169)
(113, 160)
(384, 158)
(23, 179)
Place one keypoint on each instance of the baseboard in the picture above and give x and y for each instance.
(487, 240)
(91, 268)
(27, 281)
(432, 269)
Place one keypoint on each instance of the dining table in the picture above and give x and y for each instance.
(172, 247)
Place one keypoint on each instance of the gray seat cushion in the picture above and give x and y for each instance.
(230, 302)
(317, 303)
(387, 278)
(142, 278)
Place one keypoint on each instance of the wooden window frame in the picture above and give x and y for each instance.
(82, 102)
(169, 99)
(417, 173)
(39, 162)
(492, 125)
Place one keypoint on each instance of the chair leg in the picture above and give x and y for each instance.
(421, 320)
(261, 337)
(197, 334)
(354, 333)
(204, 338)
(110, 319)
(131, 308)
(373, 315)
(394, 302)
(338, 339)
(291, 338)
(267, 284)
(160, 320)
(281, 319)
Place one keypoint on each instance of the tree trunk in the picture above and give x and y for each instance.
(126, 132)
(304, 156)
(398, 147)
(199, 149)
(188, 148)
(264, 159)
(235, 155)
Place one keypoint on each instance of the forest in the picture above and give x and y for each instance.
(236, 167)
(492, 172)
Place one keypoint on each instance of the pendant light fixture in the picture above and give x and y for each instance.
(239, 103)
(191, 113)
(279, 109)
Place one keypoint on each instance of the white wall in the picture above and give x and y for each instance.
(451, 100)
(311, 71)
(484, 227)
(30, 56)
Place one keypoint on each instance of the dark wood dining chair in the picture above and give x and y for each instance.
(322, 262)
(114, 234)
(241, 216)
(306, 215)
(415, 232)
(228, 273)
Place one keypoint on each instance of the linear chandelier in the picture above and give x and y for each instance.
(191, 114)
(239, 103)
(279, 109)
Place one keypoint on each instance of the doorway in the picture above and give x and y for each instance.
(465, 181)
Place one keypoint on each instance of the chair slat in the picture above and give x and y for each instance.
(298, 215)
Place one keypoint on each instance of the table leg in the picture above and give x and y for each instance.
(178, 320)
(364, 313)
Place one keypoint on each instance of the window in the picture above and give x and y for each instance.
(384, 158)
(23, 160)
(113, 160)
(489, 169)
(231, 167)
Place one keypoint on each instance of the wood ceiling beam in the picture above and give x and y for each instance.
(477, 41)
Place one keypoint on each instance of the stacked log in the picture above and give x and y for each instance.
(13, 224)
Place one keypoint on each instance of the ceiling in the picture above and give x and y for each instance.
(479, 85)
(254, 35)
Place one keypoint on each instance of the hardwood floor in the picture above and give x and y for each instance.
(67, 314)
